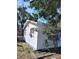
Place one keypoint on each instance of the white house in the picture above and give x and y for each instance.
(34, 36)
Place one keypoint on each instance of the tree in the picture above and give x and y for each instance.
(48, 10)
(22, 16)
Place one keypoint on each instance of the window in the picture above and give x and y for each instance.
(31, 32)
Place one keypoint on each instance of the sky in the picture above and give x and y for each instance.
(25, 4)
(30, 10)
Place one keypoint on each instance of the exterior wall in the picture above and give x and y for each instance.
(41, 41)
(41, 38)
(37, 42)
(31, 40)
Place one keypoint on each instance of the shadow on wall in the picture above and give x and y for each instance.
(53, 50)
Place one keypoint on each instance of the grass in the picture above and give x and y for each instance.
(24, 51)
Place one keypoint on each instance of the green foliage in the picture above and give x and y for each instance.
(48, 11)
(49, 6)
